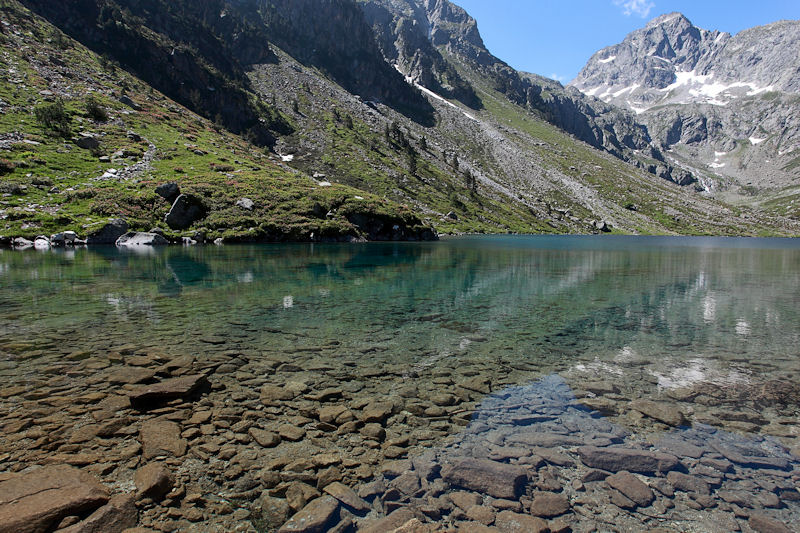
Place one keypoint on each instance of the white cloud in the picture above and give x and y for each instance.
(635, 7)
(558, 77)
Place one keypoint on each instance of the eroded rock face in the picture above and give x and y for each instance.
(37, 501)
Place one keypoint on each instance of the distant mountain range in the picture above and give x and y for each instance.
(725, 107)
(367, 119)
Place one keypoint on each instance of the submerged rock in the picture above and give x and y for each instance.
(489, 477)
(619, 459)
(167, 390)
(39, 500)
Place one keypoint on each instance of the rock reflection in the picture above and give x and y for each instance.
(534, 458)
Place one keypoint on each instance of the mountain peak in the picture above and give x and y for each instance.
(674, 18)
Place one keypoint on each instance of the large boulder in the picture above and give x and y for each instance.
(87, 141)
(135, 238)
(109, 233)
(186, 210)
(37, 501)
(168, 191)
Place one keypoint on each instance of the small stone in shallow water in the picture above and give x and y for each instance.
(181, 387)
(153, 481)
(315, 517)
(267, 439)
(489, 477)
(549, 504)
(619, 459)
(632, 487)
(38, 500)
(511, 522)
(291, 433)
(161, 437)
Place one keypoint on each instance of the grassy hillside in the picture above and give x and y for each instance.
(57, 96)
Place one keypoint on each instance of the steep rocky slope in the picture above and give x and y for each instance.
(728, 107)
(420, 36)
(83, 141)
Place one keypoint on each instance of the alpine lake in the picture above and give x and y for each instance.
(504, 383)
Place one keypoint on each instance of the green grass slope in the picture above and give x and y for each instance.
(54, 94)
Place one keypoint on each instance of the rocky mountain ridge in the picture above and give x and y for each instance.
(349, 116)
(724, 105)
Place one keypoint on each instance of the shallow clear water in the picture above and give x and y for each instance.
(707, 327)
(681, 310)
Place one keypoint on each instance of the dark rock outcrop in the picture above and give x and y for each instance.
(186, 210)
(109, 233)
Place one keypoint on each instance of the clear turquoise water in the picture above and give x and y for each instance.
(677, 309)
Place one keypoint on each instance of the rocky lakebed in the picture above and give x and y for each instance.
(138, 407)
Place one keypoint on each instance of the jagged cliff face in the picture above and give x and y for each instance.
(726, 106)
(429, 40)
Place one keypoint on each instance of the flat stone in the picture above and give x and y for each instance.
(291, 433)
(130, 375)
(391, 522)
(549, 504)
(271, 394)
(330, 413)
(347, 496)
(376, 412)
(325, 395)
(664, 412)
(632, 487)
(315, 517)
(765, 524)
(407, 483)
(167, 390)
(488, 477)
(481, 514)
(161, 437)
(39, 500)
(465, 500)
(511, 522)
(624, 459)
(153, 480)
(267, 439)
(688, 483)
(680, 448)
(118, 514)
(545, 440)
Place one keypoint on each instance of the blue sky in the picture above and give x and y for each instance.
(555, 38)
